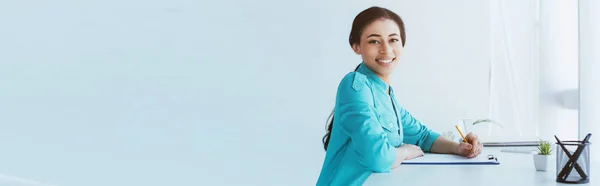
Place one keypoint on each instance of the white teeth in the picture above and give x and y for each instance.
(385, 61)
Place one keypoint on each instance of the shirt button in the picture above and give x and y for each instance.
(391, 124)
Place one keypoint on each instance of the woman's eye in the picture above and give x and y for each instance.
(373, 41)
(395, 40)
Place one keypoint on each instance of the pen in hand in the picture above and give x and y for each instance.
(463, 137)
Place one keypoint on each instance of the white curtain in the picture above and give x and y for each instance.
(590, 73)
(533, 71)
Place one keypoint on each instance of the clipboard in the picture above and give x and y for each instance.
(510, 144)
(452, 159)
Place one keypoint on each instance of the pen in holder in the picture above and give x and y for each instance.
(573, 162)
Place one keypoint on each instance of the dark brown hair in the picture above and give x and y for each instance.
(361, 21)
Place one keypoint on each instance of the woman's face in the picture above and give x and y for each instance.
(380, 47)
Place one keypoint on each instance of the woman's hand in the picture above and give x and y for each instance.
(472, 148)
(407, 152)
(411, 151)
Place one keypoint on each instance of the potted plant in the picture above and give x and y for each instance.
(540, 159)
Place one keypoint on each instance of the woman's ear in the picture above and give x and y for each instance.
(356, 48)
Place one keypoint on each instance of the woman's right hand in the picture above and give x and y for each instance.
(411, 151)
(407, 152)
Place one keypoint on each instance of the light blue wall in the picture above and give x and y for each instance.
(182, 92)
(165, 92)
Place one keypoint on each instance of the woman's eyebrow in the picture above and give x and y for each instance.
(374, 35)
(377, 35)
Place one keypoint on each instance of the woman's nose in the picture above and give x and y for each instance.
(386, 49)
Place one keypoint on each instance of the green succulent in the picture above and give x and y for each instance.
(544, 148)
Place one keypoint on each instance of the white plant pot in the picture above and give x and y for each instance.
(540, 162)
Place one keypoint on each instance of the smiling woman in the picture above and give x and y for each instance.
(382, 48)
(371, 132)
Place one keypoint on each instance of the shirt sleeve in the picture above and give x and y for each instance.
(356, 117)
(417, 133)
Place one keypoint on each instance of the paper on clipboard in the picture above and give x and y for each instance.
(441, 159)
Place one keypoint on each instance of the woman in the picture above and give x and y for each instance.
(371, 132)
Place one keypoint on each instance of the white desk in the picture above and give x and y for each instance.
(514, 169)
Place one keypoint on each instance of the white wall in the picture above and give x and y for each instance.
(445, 70)
(210, 93)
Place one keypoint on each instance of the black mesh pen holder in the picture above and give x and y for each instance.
(573, 161)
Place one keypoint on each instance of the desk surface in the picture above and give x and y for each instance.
(514, 169)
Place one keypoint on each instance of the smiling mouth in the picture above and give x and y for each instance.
(385, 60)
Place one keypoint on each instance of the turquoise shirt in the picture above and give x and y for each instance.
(368, 126)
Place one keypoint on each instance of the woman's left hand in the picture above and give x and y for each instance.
(472, 148)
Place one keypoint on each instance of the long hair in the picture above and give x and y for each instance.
(362, 20)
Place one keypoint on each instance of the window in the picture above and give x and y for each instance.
(533, 71)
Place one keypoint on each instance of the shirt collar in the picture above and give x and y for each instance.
(378, 82)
